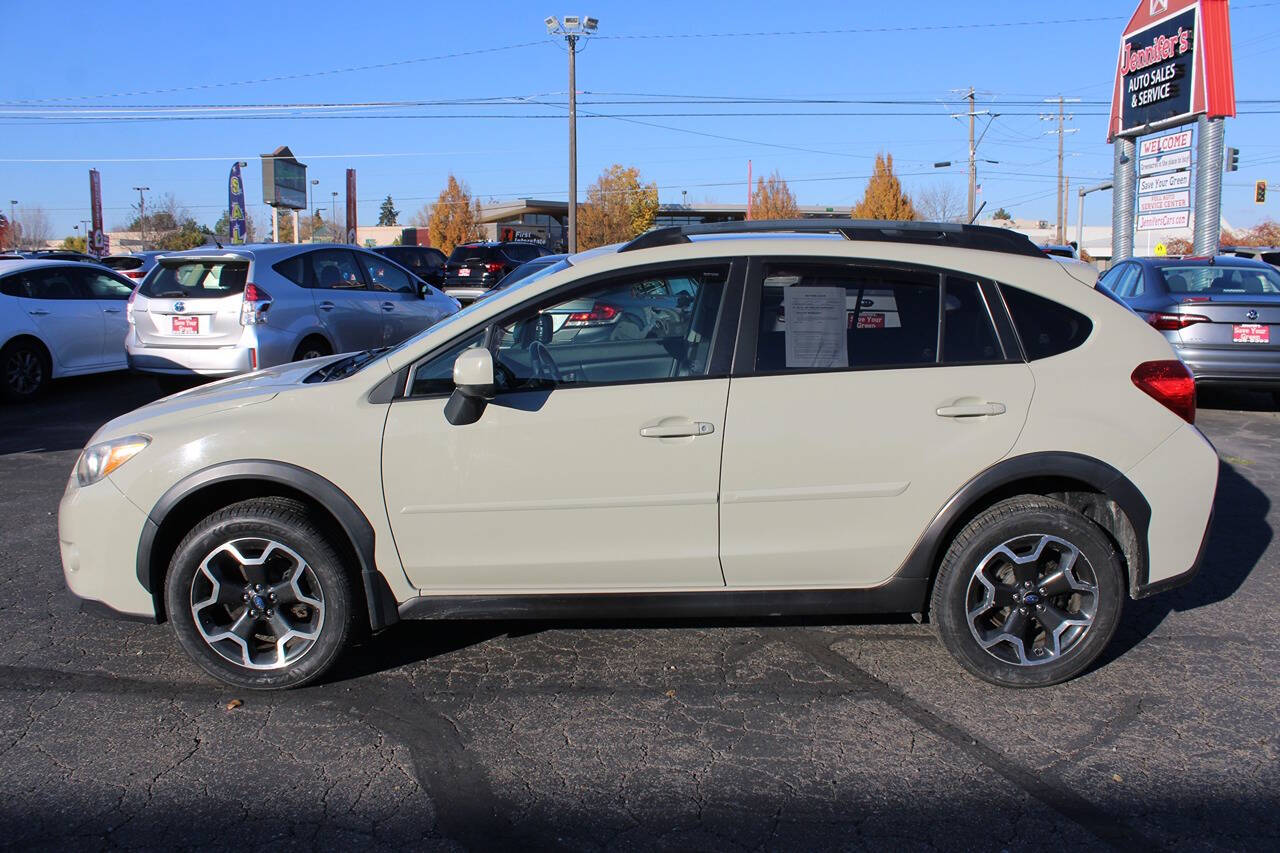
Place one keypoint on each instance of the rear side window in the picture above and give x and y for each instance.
(968, 335)
(196, 279)
(1045, 327)
(335, 269)
(53, 283)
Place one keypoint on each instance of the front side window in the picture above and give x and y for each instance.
(613, 332)
(435, 375)
(54, 283)
(385, 276)
(335, 269)
(835, 317)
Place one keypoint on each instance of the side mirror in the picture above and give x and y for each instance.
(473, 386)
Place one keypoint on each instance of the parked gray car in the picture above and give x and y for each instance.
(219, 312)
(1221, 314)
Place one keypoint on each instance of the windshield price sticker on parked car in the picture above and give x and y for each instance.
(817, 327)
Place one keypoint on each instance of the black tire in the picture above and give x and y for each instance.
(25, 370)
(320, 577)
(1007, 605)
(312, 347)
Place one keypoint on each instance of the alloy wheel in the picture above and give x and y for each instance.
(257, 603)
(24, 372)
(1031, 600)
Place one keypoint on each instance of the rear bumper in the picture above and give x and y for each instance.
(466, 294)
(1232, 366)
(192, 361)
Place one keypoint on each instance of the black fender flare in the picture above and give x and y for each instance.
(1100, 476)
(355, 526)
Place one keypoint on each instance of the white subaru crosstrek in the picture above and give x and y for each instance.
(221, 311)
(907, 417)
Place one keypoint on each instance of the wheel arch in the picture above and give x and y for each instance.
(1090, 486)
(313, 332)
(55, 369)
(210, 489)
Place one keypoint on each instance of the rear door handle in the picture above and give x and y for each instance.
(678, 430)
(971, 410)
(388, 306)
(327, 306)
(111, 310)
(39, 312)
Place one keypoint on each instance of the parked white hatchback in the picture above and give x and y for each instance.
(222, 311)
(907, 417)
(58, 318)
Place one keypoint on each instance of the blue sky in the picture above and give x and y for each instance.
(86, 55)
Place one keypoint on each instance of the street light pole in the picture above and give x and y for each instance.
(333, 208)
(142, 214)
(574, 27)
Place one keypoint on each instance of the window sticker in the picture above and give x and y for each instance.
(817, 323)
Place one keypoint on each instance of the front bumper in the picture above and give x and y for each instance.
(1240, 365)
(98, 534)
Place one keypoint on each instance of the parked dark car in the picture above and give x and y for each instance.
(527, 269)
(49, 255)
(1222, 314)
(425, 262)
(134, 265)
(473, 269)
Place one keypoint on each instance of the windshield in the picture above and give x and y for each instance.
(1221, 280)
(532, 271)
(196, 279)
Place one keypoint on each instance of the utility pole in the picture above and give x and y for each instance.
(142, 214)
(750, 189)
(1066, 207)
(13, 222)
(575, 27)
(1061, 226)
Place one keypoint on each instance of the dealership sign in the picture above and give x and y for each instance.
(1174, 64)
(98, 244)
(1164, 183)
(284, 180)
(1164, 221)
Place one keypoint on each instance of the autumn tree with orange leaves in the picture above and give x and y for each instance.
(618, 207)
(884, 198)
(773, 199)
(454, 218)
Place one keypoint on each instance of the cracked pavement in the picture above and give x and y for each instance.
(714, 734)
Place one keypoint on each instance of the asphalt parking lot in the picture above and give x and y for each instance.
(718, 735)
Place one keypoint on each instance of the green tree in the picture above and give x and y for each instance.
(387, 214)
(75, 243)
(1002, 214)
(884, 198)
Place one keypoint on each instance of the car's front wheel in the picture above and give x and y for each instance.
(258, 596)
(1029, 593)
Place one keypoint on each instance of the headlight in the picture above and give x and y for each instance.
(100, 460)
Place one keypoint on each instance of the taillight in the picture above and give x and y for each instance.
(1166, 322)
(136, 274)
(599, 315)
(492, 267)
(128, 306)
(1171, 384)
(253, 311)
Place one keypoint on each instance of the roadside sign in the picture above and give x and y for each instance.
(1165, 143)
(1164, 162)
(98, 244)
(1164, 221)
(1156, 202)
(1165, 182)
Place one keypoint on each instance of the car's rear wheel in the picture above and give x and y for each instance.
(312, 347)
(258, 596)
(1029, 593)
(25, 370)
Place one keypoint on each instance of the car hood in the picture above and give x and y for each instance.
(234, 393)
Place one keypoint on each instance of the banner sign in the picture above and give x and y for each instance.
(351, 206)
(1174, 65)
(1164, 221)
(98, 245)
(1156, 202)
(1164, 183)
(237, 224)
(1164, 163)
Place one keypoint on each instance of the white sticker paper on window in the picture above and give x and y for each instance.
(817, 326)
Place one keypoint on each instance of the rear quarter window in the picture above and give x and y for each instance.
(293, 269)
(1046, 328)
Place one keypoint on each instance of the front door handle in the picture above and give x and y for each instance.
(111, 310)
(388, 306)
(39, 312)
(678, 430)
(327, 306)
(971, 410)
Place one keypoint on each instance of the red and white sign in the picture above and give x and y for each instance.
(1174, 64)
(1164, 183)
(1164, 201)
(186, 325)
(1165, 143)
(98, 244)
(1162, 221)
(1251, 333)
(351, 205)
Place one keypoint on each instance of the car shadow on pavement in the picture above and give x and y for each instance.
(71, 411)
(1238, 539)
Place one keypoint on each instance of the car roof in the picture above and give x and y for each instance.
(1218, 260)
(12, 266)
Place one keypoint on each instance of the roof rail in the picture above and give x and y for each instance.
(948, 234)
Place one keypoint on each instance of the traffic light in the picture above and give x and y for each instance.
(1233, 159)
(1260, 192)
